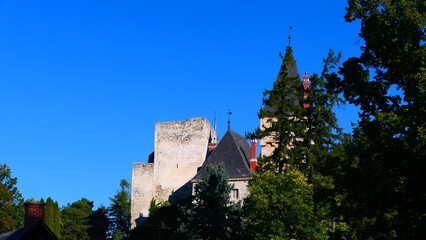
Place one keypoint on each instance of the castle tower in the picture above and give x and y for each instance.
(294, 95)
(180, 148)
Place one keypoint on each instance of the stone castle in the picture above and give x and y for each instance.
(182, 149)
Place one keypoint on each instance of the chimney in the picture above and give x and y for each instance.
(34, 212)
(306, 85)
(253, 158)
(212, 146)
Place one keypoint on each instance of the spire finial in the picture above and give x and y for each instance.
(289, 36)
(229, 119)
(214, 126)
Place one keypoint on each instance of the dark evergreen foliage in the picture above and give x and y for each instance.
(383, 178)
(75, 220)
(211, 214)
(161, 224)
(99, 224)
(285, 116)
(52, 216)
(304, 139)
(120, 212)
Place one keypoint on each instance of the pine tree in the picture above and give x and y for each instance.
(99, 224)
(304, 139)
(211, 215)
(120, 212)
(285, 122)
(52, 216)
(302, 136)
(11, 201)
(75, 220)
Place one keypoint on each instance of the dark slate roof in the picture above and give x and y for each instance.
(234, 152)
(291, 70)
(13, 234)
(39, 229)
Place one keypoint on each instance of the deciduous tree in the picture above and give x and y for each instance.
(385, 165)
(281, 206)
(11, 201)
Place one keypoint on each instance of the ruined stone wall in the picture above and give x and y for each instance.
(180, 148)
(142, 189)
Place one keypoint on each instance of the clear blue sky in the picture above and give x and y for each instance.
(82, 83)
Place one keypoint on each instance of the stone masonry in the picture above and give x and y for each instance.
(180, 148)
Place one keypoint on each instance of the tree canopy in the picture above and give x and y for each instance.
(211, 215)
(75, 220)
(383, 181)
(11, 201)
(120, 212)
(52, 216)
(281, 206)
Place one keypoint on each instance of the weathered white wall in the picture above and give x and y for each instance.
(242, 186)
(180, 148)
(142, 189)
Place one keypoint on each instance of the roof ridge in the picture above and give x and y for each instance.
(230, 151)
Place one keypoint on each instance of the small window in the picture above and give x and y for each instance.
(235, 193)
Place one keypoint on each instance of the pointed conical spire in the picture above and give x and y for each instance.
(288, 70)
(288, 65)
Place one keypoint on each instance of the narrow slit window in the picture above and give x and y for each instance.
(235, 193)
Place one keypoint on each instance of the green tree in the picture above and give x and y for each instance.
(11, 201)
(211, 214)
(285, 118)
(52, 216)
(385, 165)
(281, 206)
(304, 136)
(304, 140)
(161, 224)
(99, 224)
(120, 212)
(75, 220)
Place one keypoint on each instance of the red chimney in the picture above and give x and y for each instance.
(253, 157)
(306, 85)
(34, 212)
(212, 146)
